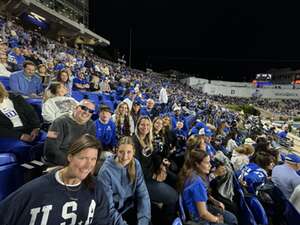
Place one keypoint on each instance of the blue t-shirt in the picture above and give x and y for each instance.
(106, 133)
(195, 190)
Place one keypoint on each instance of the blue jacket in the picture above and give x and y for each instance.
(19, 83)
(106, 133)
(122, 194)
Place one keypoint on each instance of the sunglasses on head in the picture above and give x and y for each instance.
(86, 109)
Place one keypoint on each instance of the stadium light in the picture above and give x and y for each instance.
(37, 17)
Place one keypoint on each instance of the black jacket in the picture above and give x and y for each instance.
(27, 115)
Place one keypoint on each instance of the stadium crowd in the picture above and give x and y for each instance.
(128, 147)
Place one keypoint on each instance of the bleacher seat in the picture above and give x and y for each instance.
(5, 82)
(177, 221)
(9, 174)
(93, 97)
(77, 95)
(257, 209)
(181, 209)
(245, 215)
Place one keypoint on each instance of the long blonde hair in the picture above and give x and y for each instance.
(126, 122)
(149, 137)
(127, 140)
(3, 92)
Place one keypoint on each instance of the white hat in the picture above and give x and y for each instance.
(176, 108)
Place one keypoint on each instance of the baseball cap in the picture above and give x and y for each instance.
(105, 108)
(176, 108)
(292, 158)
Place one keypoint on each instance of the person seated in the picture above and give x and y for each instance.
(122, 178)
(5, 68)
(256, 173)
(123, 120)
(149, 110)
(285, 176)
(16, 57)
(64, 194)
(106, 129)
(18, 119)
(67, 128)
(42, 72)
(58, 103)
(179, 117)
(202, 208)
(155, 171)
(104, 85)
(241, 156)
(283, 134)
(80, 83)
(295, 198)
(64, 78)
(26, 82)
(136, 110)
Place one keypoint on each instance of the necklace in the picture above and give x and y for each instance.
(68, 189)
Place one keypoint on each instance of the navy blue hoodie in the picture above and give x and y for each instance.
(45, 201)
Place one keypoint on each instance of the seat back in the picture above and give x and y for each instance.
(181, 209)
(7, 158)
(10, 174)
(257, 209)
(77, 95)
(177, 221)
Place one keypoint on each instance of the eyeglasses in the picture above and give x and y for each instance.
(86, 109)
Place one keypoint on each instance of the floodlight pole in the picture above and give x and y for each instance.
(130, 46)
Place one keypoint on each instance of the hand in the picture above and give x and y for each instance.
(34, 133)
(220, 218)
(165, 163)
(161, 176)
(26, 138)
(221, 205)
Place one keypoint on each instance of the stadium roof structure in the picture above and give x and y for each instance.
(59, 24)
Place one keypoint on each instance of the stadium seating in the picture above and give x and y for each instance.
(257, 209)
(177, 221)
(9, 171)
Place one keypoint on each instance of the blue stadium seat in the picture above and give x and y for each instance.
(257, 209)
(36, 103)
(245, 215)
(77, 95)
(93, 97)
(9, 174)
(181, 209)
(177, 221)
(24, 152)
(5, 82)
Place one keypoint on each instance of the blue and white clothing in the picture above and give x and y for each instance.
(25, 85)
(195, 190)
(106, 133)
(47, 200)
(254, 176)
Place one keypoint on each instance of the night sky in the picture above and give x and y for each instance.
(230, 40)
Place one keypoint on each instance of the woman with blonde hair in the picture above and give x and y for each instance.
(240, 156)
(123, 120)
(123, 182)
(155, 170)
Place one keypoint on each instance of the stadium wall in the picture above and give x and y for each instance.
(246, 92)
